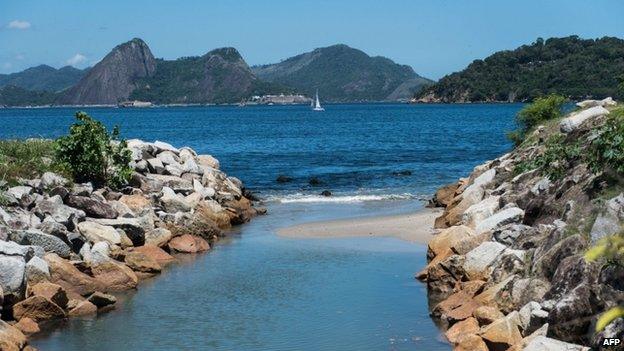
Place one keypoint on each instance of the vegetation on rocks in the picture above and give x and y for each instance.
(541, 110)
(94, 155)
(27, 159)
(607, 149)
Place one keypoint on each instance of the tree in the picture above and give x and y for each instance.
(93, 155)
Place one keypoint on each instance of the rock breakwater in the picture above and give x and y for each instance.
(66, 248)
(506, 270)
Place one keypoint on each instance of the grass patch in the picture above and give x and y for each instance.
(27, 159)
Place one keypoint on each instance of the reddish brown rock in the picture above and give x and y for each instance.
(487, 314)
(462, 312)
(37, 308)
(470, 342)
(140, 262)
(502, 333)
(115, 276)
(27, 326)
(448, 239)
(83, 308)
(11, 338)
(137, 203)
(52, 292)
(467, 326)
(444, 196)
(156, 253)
(188, 244)
(63, 273)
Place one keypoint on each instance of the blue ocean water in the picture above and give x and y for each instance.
(259, 291)
(354, 150)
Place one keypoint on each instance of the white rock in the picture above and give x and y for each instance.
(162, 146)
(158, 236)
(610, 221)
(542, 343)
(50, 180)
(592, 103)
(174, 170)
(37, 270)
(155, 165)
(572, 122)
(189, 166)
(480, 211)
(480, 258)
(19, 191)
(173, 202)
(208, 160)
(95, 232)
(12, 269)
(499, 219)
(187, 153)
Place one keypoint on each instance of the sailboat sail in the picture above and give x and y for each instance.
(317, 105)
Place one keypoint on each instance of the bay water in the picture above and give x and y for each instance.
(258, 291)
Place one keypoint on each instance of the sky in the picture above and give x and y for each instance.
(435, 37)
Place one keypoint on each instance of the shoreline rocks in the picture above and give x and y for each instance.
(506, 269)
(64, 247)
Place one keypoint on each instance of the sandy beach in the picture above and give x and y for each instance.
(414, 227)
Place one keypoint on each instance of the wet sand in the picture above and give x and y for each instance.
(414, 227)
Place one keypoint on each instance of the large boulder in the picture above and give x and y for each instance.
(502, 333)
(207, 161)
(59, 213)
(173, 202)
(610, 221)
(138, 204)
(11, 338)
(50, 291)
(65, 274)
(101, 299)
(12, 269)
(115, 276)
(83, 309)
(546, 264)
(575, 120)
(479, 261)
(543, 343)
(499, 219)
(476, 213)
(158, 236)
(133, 227)
(37, 271)
(95, 232)
(91, 206)
(459, 329)
(154, 252)
(140, 262)
(37, 308)
(50, 180)
(448, 239)
(49, 243)
(188, 244)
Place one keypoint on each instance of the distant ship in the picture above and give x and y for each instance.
(317, 104)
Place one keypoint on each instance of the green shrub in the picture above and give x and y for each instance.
(542, 109)
(93, 155)
(606, 151)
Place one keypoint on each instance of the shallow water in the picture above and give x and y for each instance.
(258, 291)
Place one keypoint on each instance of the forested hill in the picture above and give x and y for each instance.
(571, 66)
(342, 73)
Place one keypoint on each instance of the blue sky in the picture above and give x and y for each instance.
(435, 37)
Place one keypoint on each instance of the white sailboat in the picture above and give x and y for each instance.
(317, 104)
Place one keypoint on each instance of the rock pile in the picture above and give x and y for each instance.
(506, 270)
(64, 246)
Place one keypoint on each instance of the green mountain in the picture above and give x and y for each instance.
(220, 76)
(43, 78)
(577, 68)
(342, 73)
(11, 95)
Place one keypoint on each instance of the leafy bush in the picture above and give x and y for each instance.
(27, 159)
(606, 151)
(542, 109)
(555, 160)
(93, 155)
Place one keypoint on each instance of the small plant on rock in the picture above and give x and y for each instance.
(540, 110)
(606, 151)
(93, 155)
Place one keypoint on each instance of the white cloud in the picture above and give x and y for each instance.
(76, 60)
(19, 57)
(17, 24)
